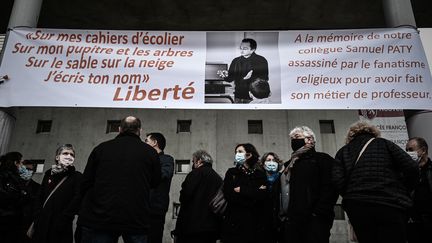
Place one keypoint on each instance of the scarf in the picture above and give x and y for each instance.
(271, 178)
(58, 168)
(295, 156)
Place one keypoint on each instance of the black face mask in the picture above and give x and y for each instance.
(297, 143)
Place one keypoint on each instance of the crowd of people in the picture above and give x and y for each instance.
(124, 191)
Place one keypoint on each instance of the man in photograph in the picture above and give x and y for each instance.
(244, 69)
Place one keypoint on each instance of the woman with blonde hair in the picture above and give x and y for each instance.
(374, 176)
(58, 200)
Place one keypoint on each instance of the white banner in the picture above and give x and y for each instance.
(333, 69)
(391, 123)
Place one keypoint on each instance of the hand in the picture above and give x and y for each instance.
(222, 73)
(262, 187)
(237, 189)
(248, 75)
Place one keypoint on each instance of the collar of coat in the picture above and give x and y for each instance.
(128, 134)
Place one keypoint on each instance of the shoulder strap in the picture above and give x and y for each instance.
(363, 149)
(55, 188)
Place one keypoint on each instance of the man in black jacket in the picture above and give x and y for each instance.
(307, 193)
(420, 225)
(196, 223)
(116, 187)
(244, 69)
(159, 197)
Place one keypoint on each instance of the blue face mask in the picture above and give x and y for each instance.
(24, 173)
(271, 166)
(240, 158)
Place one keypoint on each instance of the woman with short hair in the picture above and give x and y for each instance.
(58, 200)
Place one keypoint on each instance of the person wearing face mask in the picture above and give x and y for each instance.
(195, 222)
(420, 224)
(245, 190)
(58, 200)
(374, 176)
(12, 197)
(273, 167)
(307, 192)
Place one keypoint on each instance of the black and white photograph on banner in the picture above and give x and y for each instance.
(242, 68)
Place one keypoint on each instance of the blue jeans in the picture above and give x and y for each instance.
(89, 235)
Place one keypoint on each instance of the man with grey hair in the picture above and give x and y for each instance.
(116, 187)
(307, 192)
(196, 223)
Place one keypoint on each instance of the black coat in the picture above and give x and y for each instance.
(385, 174)
(311, 190)
(32, 188)
(272, 207)
(246, 216)
(198, 188)
(239, 68)
(12, 198)
(116, 185)
(53, 223)
(159, 196)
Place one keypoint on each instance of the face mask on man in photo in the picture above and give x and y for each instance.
(240, 158)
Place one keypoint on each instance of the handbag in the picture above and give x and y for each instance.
(351, 232)
(31, 229)
(218, 203)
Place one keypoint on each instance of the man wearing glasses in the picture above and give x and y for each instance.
(245, 69)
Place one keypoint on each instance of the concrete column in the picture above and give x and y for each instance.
(419, 124)
(25, 13)
(400, 13)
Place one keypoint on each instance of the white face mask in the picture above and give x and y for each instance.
(414, 155)
(240, 158)
(271, 166)
(66, 158)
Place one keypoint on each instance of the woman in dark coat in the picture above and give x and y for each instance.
(54, 217)
(245, 189)
(273, 167)
(12, 197)
(196, 223)
(375, 185)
